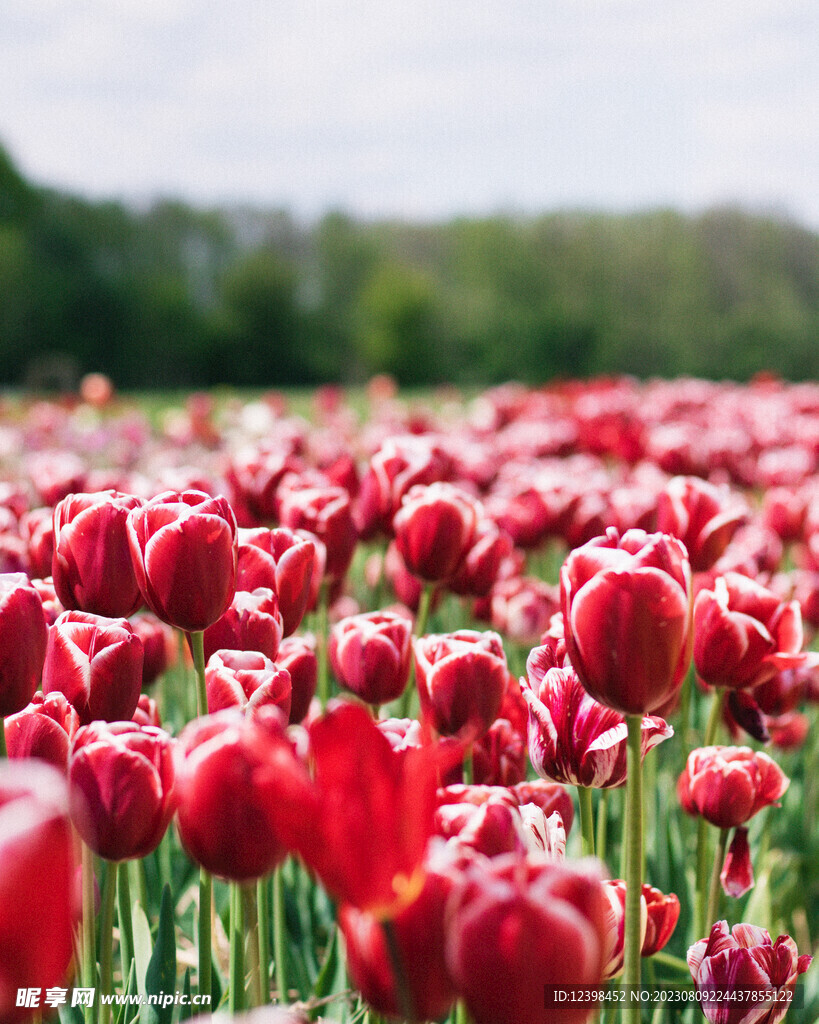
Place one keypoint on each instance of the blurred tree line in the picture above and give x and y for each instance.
(174, 296)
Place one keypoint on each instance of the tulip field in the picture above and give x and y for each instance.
(351, 708)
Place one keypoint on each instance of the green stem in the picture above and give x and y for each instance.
(714, 718)
(251, 909)
(126, 927)
(602, 823)
(203, 933)
(701, 906)
(714, 889)
(469, 765)
(89, 952)
(263, 912)
(633, 840)
(676, 963)
(322, 629)
(403, 992)
(280, 936)
(462, 1013)
(198, 649)
(109, 891)
(237, 949)
(584, 796)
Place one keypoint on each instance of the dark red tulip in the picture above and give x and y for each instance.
(743, 959)
(729, 785)
(481, 564)
(549, 797)
(183, 546)
(461, 681)
(627, 616)
(251, 623)
(704, 517)
(327, 512)
(22, 642)
(282, 560)
(37, 530)
(241, 793)
(247, 680)
(662, 914)
(744, 634)
(121, 781)
(420, 931)
(297, 654)
(434, 529)
(44, 729)
(572, 738)
(36, 882)
(92, 567)
(534, 925)
(370, 655)
(147, 712)
(371, 812)
(159, 645)
(97, 663)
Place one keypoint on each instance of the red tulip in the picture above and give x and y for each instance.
(248, 680)
(370, 655)
(251, 623)
(420, 931)
(159, 645)
(44, 729)
(121, 779)
(662, 914)
(183, 546)
(549, 797)
(729, 785)
(744, 634)
(282, 560)
(297, 654)
(92, 566)
(703, 516)
(744, 960)
(522, 607)
(434, 529)
(530, 926)
(481, 564)
(572, 738)
(627, 616)
(37, 530)
(22, 642)
(461, 681)
(241, 793)
(370, 814)
(147, 712)
(615, 891)
(327, 512)
(36, 882)
(97, 663)
(499, 756)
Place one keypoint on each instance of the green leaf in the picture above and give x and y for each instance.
(186, 1010)
(70, 1014)
(142, 948)
(160, 978)
(121, 1016)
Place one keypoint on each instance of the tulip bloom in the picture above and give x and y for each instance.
(728, 785)
(327, 512)
(121, 780)
(481, 564)
(44, 729)
(97, 663)
(370, 813)
(297, 655)
(248, 680)
(370, 655)
(703, 516)
(744, 634)
(434, 529)
(251, 623)
(627, 616)
(183, 546)
(615, 892)
(662, 914)
(743, 959)
(572, 738)
(242, 793)
(461, 681)
(22, 642)
(92, 566)
(36, 882)
(282, 560)
(530, 925)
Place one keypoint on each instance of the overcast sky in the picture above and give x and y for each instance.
(420, 109)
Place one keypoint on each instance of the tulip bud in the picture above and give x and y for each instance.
(297, 655)
(183, 547)
(728, 785)
(92, 566)
(121, 779)
(282, 560)
(627, 617)
(434, 529)
(44, 729)
(327, 512)
(702, 516)
(22, 642)
(370, 655)
(97, 663)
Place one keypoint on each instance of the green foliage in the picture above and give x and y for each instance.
(174, 296)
